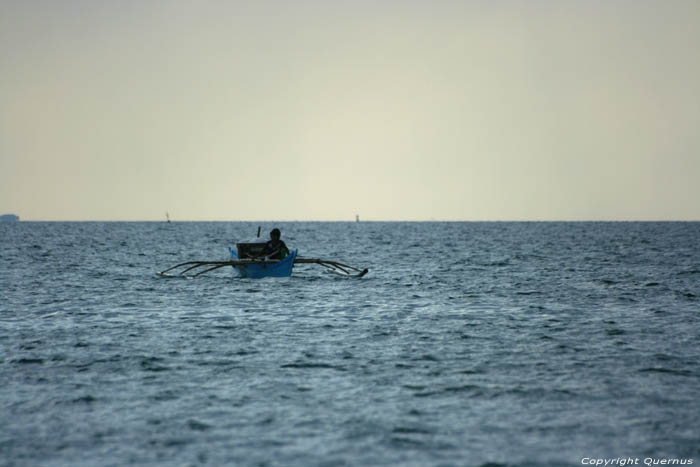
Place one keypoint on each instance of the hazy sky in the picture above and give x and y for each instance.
(320, 110)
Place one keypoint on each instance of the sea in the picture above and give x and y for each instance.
(484, 344)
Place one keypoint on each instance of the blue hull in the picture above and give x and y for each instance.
(257, 271)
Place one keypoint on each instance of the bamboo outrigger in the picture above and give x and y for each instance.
(249, 260)
(257, 268)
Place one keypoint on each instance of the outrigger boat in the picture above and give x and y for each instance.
(248, 263)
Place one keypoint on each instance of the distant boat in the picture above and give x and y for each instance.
(167, 217)
(357, 218)
(9, 218)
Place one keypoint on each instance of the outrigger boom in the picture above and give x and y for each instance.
(333, 266)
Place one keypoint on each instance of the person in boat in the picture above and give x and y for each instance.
(275, 248)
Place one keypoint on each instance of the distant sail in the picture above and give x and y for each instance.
(167, 216)
(357, 218)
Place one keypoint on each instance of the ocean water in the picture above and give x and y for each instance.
(467, 344)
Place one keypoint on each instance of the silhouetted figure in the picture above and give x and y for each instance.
(275, 248)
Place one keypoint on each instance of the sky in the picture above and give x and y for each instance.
(327, 109)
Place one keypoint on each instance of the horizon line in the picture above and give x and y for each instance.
(349, 221)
